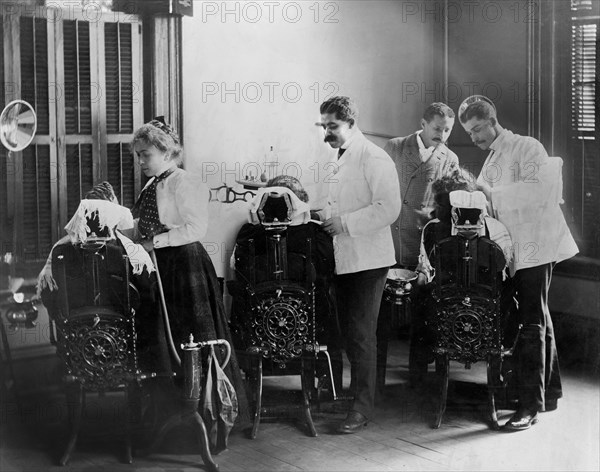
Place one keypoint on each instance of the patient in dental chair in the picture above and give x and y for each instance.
(457, 202)
(322, 258)
(87, 223)
(100, 218)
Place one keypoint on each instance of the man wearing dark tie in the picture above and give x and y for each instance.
(363, 200)
(420, 159)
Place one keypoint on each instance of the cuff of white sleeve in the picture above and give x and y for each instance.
(344, 219)
(160, 240)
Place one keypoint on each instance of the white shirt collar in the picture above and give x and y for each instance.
(424, 152)
(500, 140)
(351, 139)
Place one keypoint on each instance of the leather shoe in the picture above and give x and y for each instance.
(353, 423)
(521, 420)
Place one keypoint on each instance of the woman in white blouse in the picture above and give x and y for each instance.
(171, 216)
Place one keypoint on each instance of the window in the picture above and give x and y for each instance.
(584, 60)
(83, 78)
(584, 142)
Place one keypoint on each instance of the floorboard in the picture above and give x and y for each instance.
(399, 438)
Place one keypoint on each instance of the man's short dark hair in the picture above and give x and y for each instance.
(480, 110)
(344, 108)
(439, 109)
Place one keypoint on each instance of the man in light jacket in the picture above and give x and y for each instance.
(363, 201)
(524, 188)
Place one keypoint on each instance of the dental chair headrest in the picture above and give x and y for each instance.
(275, 209)
(468, 211)
(278, 206)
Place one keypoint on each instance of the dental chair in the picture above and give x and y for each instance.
(93, 313)
(274, 322)
(467, 321)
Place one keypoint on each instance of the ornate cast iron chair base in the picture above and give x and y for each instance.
(276, 318)
(468, 332)
(468, 313)
(93, 327)
(76, 395)
(301, 411)
(281, 331)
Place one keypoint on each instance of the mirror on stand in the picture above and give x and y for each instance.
(18, 123)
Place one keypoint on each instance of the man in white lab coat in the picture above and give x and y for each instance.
(363, 201)
(524, 188)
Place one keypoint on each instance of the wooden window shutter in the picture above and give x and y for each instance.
(123, 107)
(584, 130)
(584, 62)
(83, 78)
(77, 90)
(35, 183)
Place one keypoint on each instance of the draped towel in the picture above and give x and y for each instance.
(109, 215)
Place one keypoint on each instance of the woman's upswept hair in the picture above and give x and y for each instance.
(161, 136)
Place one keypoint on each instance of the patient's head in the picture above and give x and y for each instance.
(459, 179)
(290, 182)
(102, 191)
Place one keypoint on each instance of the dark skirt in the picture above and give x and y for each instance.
(195, 306)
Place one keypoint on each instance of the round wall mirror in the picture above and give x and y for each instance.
(18, 123)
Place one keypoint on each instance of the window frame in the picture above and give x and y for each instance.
(14, 229)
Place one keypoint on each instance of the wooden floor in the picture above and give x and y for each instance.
(399, 438)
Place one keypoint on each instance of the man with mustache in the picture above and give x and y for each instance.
(421, 159)
(523, 186)
(363, 200)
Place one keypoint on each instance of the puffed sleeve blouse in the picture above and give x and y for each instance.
(182, 200)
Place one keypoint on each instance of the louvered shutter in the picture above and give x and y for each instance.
(102, 61)
(584, 130)
(122, 100)
(584, 62)
(83, 79)
(35, 181)
(77, 95)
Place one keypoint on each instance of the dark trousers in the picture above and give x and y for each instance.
(421, 337)
(537, 371)
(359, 297)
